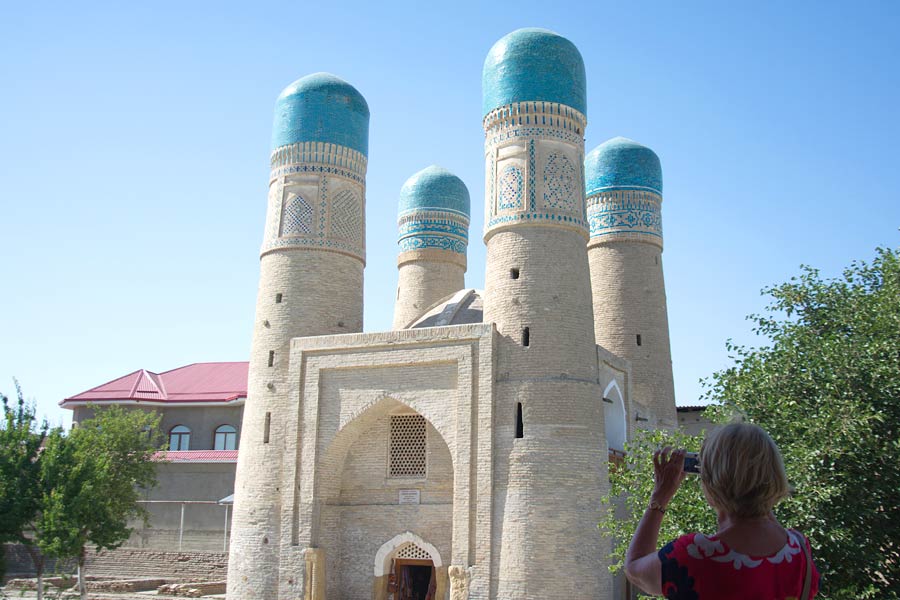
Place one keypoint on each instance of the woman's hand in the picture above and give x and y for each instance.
(668, 473)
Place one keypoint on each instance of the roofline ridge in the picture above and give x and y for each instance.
(99, 386)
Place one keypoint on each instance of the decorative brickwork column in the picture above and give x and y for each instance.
(311, 283)
(624, 197)
(550, 450)
(434, 234)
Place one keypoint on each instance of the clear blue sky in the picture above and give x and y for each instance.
(134, 141)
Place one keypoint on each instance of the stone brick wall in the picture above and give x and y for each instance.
(629, 298)
(423, 282)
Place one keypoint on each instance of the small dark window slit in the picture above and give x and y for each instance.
(638, 339)
(271, 358)
(267, 427)
(277, 298)
(513, 273)
(520, 424)
(526, 337)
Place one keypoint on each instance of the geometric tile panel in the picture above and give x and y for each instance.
(560, 182)
(297, 219)
(511, 188)
(346, 216)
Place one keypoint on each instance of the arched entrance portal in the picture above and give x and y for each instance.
(409, 568)
(395, 477)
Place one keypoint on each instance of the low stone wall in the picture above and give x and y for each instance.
(185, 566)
(129, 563)
(193, 590)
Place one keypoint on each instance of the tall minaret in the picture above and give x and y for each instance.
(549, 444)
(624, 196)
(311, 283)
(434, 234)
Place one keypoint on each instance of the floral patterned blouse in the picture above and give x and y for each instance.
(697, 567)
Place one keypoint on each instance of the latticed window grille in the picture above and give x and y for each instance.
(407, 449)
(412, 551)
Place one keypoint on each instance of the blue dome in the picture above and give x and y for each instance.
(321, 108)
(622, 164)
(533, 64)
(434, 188)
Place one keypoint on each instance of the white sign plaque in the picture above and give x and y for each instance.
(409, 497)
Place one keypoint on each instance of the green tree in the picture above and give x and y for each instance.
(91, 483)
(826, 387)
(20, 490)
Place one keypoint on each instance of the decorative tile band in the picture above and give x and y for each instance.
(319, 212)
(422, 229)
(444, 225)
(441, 242)
(340, 159)
(284, 243)
(536, 177)
(619, 215)
(549, 115)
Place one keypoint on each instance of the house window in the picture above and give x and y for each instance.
(226, 438)
(407, 446)
(180, 438)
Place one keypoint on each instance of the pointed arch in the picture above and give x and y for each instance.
(383, 556)
(335, 452)
(614, 416)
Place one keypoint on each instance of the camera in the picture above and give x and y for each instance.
(692, 463)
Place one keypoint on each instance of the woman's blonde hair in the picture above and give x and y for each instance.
(742, 470)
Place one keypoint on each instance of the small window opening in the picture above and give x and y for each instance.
(638, 339)
(520, 424)
(656, 260)
(268, 426)
(513, 273)
(272, 357)
(526, 337)
(278, 298)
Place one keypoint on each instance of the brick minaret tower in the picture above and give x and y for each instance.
(549, 444)
(434, 233)
(311, 283)
(624, 196)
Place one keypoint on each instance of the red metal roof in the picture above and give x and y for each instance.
(199, 382)
(181, 456)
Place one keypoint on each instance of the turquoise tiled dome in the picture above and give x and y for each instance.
(622, 164)
(321, 108)
(533, 64)
(434, 188)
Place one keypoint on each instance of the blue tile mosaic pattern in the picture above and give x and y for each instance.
(533, 64)
(321, 108)
(629, 212)
(434, 188)
(511, 186)
(622, 164)
(434, 211)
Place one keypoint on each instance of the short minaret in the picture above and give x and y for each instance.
(434, 233)
(624, 196)
(550, 453)
(311, 283)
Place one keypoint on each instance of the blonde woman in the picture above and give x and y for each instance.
(751, 556)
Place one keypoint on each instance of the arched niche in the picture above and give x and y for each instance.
(614, 416)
